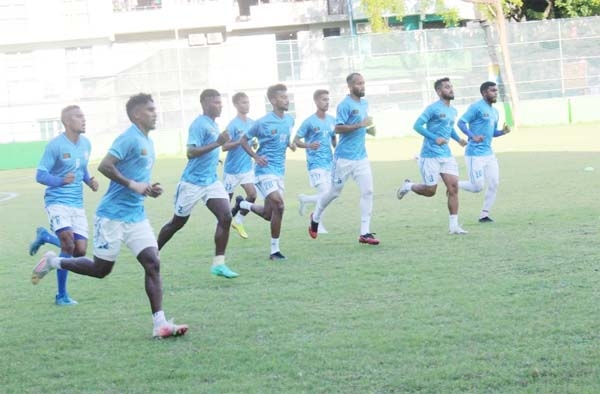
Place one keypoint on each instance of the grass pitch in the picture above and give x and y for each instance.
(512, 307)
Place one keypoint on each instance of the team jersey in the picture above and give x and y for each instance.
(315, 129)
(273, 134)
(482, 119)
(62, 156)
(237, 160)
(135, 152)
(439, 119)
(202, 170)
(351, 145)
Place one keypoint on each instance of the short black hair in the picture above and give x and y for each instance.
(274, 89)
(438, 84)
(65, 111)
(319, 92)
(135, 101)
(485, 86)
(238, 96)
(208, 93)
(351, 76)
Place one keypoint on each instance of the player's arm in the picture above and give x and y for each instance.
(199, 150)
(108, 168)
(229, 145)
(463, 126)
(420, 128)
(505, 130)
(454, 135)
(348, 128)
(44, 176)
(90, 181)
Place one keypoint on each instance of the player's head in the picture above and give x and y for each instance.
(210, 99)
(444, 89)
(489, 91)
(277, 95)
(73, 119)
(241, 102)
(142, 111)
(321, 98)
(356, 84)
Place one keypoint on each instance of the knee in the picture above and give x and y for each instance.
(67, 245)
(152, 266)
(251, 197)
(79, 250)
(367, 193)
(225, 218)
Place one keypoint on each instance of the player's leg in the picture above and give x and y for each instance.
(322, 188)
(430, 173)
(340, 172)
(275, 204)
(139, 238)
(246, 180)
(475, 170)
(449, 174)
(42, 236)
(492, 177)
(186, 198)
(363, 176)
(316, 177)
(219, 206)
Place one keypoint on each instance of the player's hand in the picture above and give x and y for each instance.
(223, 138)
(69, 178)
(441, 141)
(139, 187)
(368, 121)
(314, 145)
(155, 190)
(462, 142)
(93, 184)
(478, 138)
(261, 161)
(292, 146)
(506, 129)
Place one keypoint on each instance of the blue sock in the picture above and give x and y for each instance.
(61, 278)
(50, 238)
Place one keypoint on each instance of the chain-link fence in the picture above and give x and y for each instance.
(551, 59)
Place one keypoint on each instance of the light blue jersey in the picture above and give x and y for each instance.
(482, 119)
(315, 129)
(61, 157)
(273, 134)
(202, 170)
(135, 152)
(237, 160)
(438, 119)
(351, 146)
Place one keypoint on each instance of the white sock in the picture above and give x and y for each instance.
(55, 262)
(483, 214)
(274, 245)
(409, 185)
(239, 218)
(246, 205)
(158, 318)
(218, 260)
(453, 221)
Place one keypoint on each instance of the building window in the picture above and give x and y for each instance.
(49, 128)
(288, 56)
(136, 5)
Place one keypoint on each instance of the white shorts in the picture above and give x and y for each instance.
(267, 184)
(481, 167)
(188, 195)
(344, 168)
(318, 176)
(231, 181)
(62, 216)
(109, 234)
(432, 167)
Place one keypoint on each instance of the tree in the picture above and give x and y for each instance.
(378, 11)
(521, 10)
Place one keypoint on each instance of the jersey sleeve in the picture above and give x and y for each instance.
(195, 134)
(121, 147)
(49, 157)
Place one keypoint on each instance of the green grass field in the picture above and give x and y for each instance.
(511, 307)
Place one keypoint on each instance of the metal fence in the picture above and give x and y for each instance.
(558, 58)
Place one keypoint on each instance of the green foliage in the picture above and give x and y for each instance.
(377, 10)
(575, 8)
